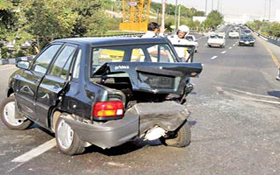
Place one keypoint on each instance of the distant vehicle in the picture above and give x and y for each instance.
(246, 40)
(216, 40)
(192, 41)
(223, 34)
(278, 76)
(233, 34)
(247, 32)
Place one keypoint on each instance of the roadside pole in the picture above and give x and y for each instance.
(175, 19)
(179, 16)
(157, 15)
(162, 27)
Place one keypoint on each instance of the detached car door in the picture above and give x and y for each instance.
(54, 82)
(27, 85)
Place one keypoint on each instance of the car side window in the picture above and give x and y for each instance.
(62, 63)
(76, 71)
(42, 62)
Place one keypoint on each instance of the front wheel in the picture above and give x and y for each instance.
(8, 112)
(182, 137)
(67, 140)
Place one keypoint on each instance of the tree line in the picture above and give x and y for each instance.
(41, 21)
(266, 28)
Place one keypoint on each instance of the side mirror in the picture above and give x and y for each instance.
(23, 64)
(278, 76)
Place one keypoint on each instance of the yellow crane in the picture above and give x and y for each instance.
(135, 15)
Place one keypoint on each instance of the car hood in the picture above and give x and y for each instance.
(153, 77)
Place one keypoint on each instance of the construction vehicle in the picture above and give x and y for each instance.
(135, 15)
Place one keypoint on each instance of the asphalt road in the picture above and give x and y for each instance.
(235, 126)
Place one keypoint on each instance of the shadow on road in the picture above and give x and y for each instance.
(274, 93)
(125, 148)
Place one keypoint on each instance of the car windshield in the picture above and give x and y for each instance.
(189, 38)
(132, 53)
(216, 37)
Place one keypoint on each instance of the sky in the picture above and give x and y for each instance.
(254, 8)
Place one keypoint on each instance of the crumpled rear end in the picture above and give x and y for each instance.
(136, 121)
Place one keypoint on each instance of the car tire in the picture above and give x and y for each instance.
(67, 140)
(182, 137)
(7, 115)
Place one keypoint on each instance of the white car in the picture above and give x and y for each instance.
(233, 34)
(216, 40)
(192, 41)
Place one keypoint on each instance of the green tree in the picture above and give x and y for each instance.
(42, 21)
(214, 19)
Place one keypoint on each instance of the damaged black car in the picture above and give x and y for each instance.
(103, 91)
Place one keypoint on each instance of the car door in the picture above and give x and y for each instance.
(53, 83)
(29, 80)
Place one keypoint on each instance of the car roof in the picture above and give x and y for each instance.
(112, 40)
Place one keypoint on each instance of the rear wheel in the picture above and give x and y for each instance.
(67, 140)
(182, 137)
(8, 112)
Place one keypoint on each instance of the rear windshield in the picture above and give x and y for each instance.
(216, 36)
(247, 37)
(132, 53)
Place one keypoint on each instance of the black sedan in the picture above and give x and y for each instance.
(103, 91)
(246, 40)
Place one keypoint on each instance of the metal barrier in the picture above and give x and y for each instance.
(272, 40)
(122, 35)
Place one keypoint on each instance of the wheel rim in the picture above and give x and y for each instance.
(65, 135)
(9, 115)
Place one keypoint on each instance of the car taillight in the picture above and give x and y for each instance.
(108, 109)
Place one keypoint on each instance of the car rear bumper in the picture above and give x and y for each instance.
(137, 120)
(215, 45)
(246, 44)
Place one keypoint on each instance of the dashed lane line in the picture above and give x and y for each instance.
(35, 152)
(224, 52)
(214, 57)
(230, 47)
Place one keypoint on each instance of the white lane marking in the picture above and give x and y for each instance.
(234, 45)
(35, 152)
(12, 169)
(205, 44)
(230, 47)
(224, 52)
(214, 57)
